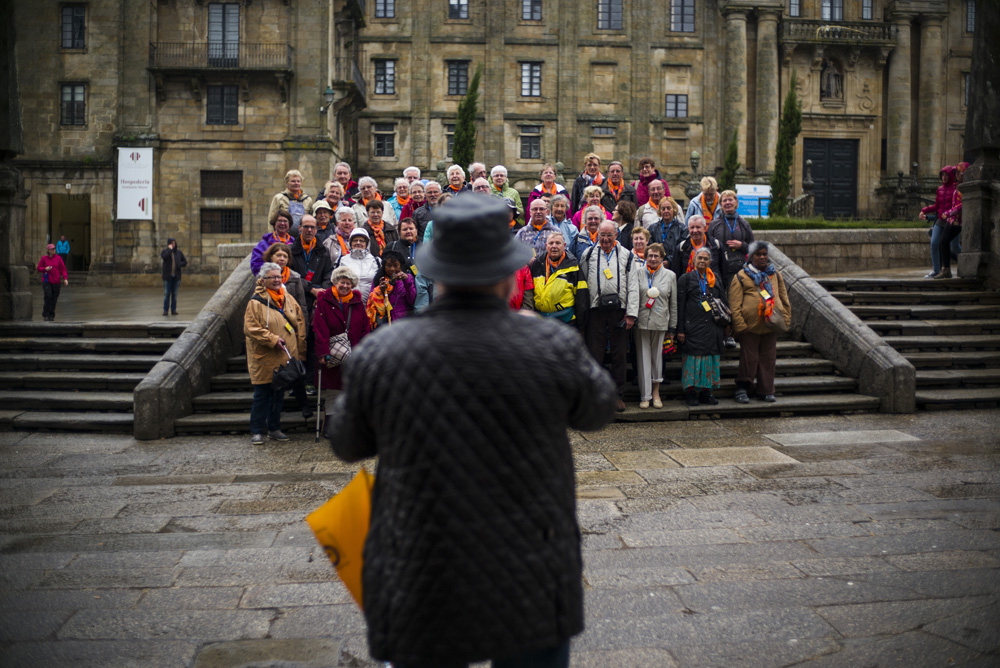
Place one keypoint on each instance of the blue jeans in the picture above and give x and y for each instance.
(265, 411)
(937, 232)
(170, 286)
(555, 657)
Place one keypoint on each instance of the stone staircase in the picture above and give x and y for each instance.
(948, 329)
(68, 376)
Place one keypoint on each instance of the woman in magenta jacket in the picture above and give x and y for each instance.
(339, 309)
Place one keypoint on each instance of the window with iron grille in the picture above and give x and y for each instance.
(385, 139)
(794, 8)
(531, 142)
(604, 131)
(833, 10)
(677, 106)
(74, 26)
(531, 10)
(222, 105)
(458, 77)
(449, 135)
(385, 77)
(531, 79)
(385, 9)
(458, 9)
(73, 104)
(609, 14)
(682, 16)
(867, 10)
(221, 183)
(970, 15)
(221, 221)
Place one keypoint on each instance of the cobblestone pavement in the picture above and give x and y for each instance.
(844, 541)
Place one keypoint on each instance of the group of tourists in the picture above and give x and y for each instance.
(638, 277)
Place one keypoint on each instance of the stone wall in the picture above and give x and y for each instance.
(230, 256)
(847, 251)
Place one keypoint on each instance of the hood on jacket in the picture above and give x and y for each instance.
(950, 173)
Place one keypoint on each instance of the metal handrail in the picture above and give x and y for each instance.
(214, 56)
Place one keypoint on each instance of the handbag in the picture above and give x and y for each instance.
(289, 373)
(720, 312)
(776, 321)
(340, 345)
(341, 527)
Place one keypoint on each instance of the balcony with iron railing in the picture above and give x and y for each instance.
(193, 56)
(347, 75)
(856, 33)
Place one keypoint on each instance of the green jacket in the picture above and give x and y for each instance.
(512, 194)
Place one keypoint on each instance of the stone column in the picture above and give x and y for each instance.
(768, 97)
(931, 132)
(898, 114)
(735, 78)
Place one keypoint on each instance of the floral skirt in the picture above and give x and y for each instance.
(700, 371)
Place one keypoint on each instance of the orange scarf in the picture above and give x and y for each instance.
(552, 266)
(287, 239)
(592, 235)
(364, 202)
(651, 270)
(344, 250)
(336, 295)
(616, 192)
(640, 254)
(546, 190)
(379, 234)
(297, 194)
(402, 202)
(690, 266)
(598, 180)
(279, 296)
(710, 275)
(379, 305)
(709, 212)
(308, 247)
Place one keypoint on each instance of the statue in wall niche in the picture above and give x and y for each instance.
(831, 81)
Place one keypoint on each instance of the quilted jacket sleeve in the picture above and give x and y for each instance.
(351, 438)
(594, 393)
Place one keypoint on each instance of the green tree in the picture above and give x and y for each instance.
(465, 124)
(788, 133)
(727, 179)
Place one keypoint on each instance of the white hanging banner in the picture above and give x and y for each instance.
(135, 183)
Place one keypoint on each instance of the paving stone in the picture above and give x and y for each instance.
(276, 505)
(296, 595)
(69, 599)
(733, 456)
(99, 654)
(902, 651)
(882, 495)
(776, 595)
(641, 459)
(943, 561)
(650, 601)
(661, 490)
(278, 555)
(24, 625)
(776, 570)
(135, 480)
(937, 584)
(803, 469)
(978, 629)
(685, 516)
(636, 577)
(759, 654)
(638, 656)
(966, 491)
(950, 509)
(139, 542)
(98, 560)
(895, 617)
(591, 461)
(609, 478)
(843, 566)
(802, 531)
(633, 538)
(107, 578)
(592, 513)
(318, 622)
(123, 525)
(854, 452)
(906, 543)
(190, 598)
(161, 624)
(824, 438)
(297, 653)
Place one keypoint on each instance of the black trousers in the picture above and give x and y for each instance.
(607, 328)
(51, 293)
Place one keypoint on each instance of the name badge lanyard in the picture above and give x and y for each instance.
(703, 282)
(665, 230)
(731, 226)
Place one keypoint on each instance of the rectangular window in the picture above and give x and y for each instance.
(73, 105)
(609, 14)
(385, 9)
(867, 10)
(458, 77)
(385, 139)
(74, 24)
(531, 79)
(221, 183)
(604, 131)
(449, 136)
(223, 34)
(458, 9)
(794, 8)
(221, 221)
(223, 105)
(531, 10)
(531, 142)
(970, 15)
(682, 16)
(385, 77)
(677, 106)
(833, 10)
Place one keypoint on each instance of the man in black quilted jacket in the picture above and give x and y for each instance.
(474, 551)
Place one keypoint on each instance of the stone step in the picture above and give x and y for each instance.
(97, 345)
(787, 384)
(918, 297)
(232, 380)
(980, 341)
(71, 421)
(49, 400)
(953, 327)
(727, 407)
(226, 423)
(952, 398)
(953, 359)
(229, 401)
(41, 380)
(10, 361)
(957, 377)
(95, 330)
(784, 366)
(898, 284)
(869, 313)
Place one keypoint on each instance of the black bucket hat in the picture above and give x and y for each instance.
(472, 243)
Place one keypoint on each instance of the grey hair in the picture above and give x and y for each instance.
(342, 209)
(395, 184)
(473, 165)
(344, 271)
(594, 207)
(557, 233)
(756, 246)
(703, 249)
(266, 267)
(416, 183)
(342, 164)
(435, 183)
(696, 218)
(616, 162)
(480, 179)
(416, 169)
(497, 169)
(559, 198)
(453, 168)
(367, 181)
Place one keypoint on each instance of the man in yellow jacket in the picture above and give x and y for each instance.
(560, 286)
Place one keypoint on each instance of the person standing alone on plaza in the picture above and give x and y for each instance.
(62, 250)
(173, 261)
(53, 271)
(479, 559)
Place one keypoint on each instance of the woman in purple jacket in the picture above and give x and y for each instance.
(338, 310)
(391, 279)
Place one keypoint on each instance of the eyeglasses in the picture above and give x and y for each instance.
(272, 278)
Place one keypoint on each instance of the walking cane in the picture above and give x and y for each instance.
(319, 391)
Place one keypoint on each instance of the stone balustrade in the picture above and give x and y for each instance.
(858, 33)
(847, 251)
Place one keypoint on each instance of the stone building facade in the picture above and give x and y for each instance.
(883, 85)
(230, 95)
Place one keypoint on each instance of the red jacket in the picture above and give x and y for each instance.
(945, 195)
(331, 319)
(58, 271)
(642, 187)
